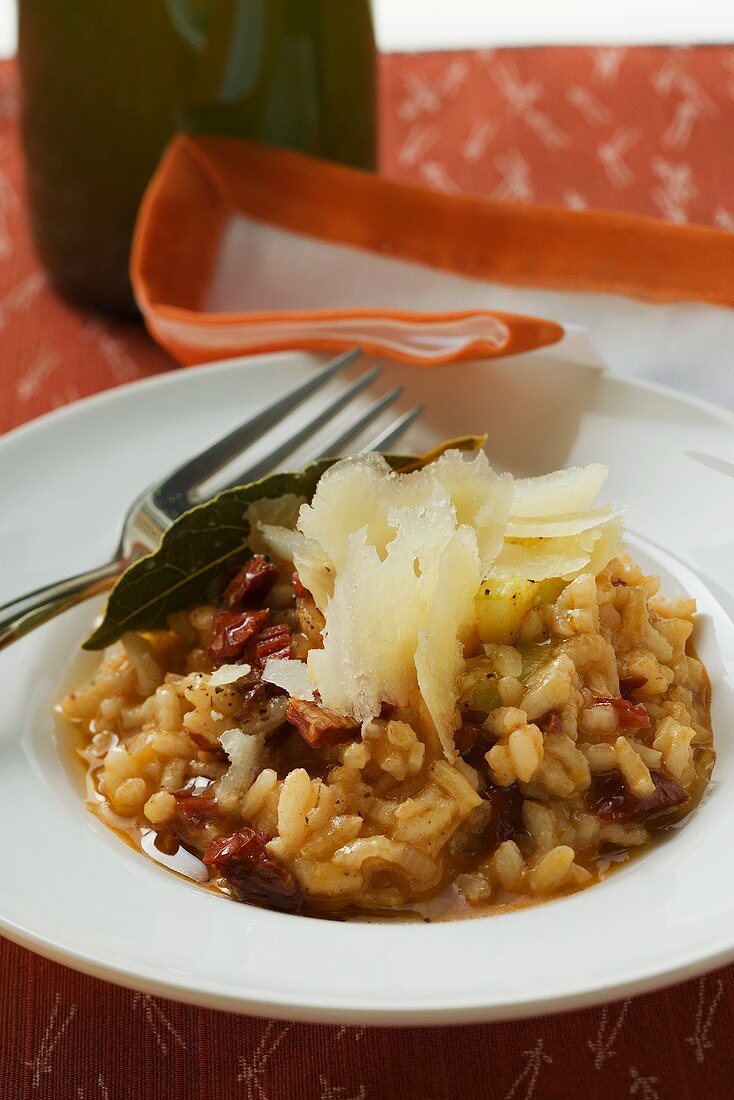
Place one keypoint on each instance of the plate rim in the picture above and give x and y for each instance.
(171, 374)
(351, 1012)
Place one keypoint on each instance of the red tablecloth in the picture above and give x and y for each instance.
(644, 130)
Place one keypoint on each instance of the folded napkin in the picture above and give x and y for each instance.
(242, 248)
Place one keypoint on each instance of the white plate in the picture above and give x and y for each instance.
(73, 891)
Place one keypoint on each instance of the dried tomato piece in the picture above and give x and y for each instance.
(251, 583)
(197, 809)
(196, 818)
(506, 820)
(318, 726)
(631, 716)
(253, 875)
(628, 684)
(612, 802)
(231, 631)
(272, 641)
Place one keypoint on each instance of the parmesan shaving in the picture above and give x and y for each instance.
(557, 494)
(541, 558)
(384, 536)
(290, 675)
(606, 546)
(439, 657)
(314, 569)
(481, 497)
(378, 607)
(246, 753)
(351, 494)
(276, 511)
(545, 527)
(227, 674)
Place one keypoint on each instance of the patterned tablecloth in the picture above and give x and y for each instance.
(643, 130)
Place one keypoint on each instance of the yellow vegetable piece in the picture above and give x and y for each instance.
(549, 590)
(503, 602)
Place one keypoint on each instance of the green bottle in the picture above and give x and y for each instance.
(105, 83)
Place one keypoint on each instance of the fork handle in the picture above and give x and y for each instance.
(20, 616)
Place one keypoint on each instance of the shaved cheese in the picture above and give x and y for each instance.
(545, 527)
(606, 546)
(539, 559)
(280, 541)
(387, 575)
(554, 530)
(246, 754)
(353, 494)
(556, 494)
(481, 497)
(292, 676)
(276, 511)
(314, 569)
(227, 674)
(439, 657)
(378, 607)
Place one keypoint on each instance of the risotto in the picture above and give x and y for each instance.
(441, 693)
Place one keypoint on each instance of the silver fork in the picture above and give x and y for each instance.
(153, 512)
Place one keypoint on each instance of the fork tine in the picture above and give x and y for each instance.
(336, 444)
(271, 460)
(394, 431)
(179, 483)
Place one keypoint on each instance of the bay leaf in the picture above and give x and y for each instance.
(182, 570)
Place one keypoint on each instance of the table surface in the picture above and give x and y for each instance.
(643, 130)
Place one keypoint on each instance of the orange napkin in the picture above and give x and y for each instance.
(242, 248)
